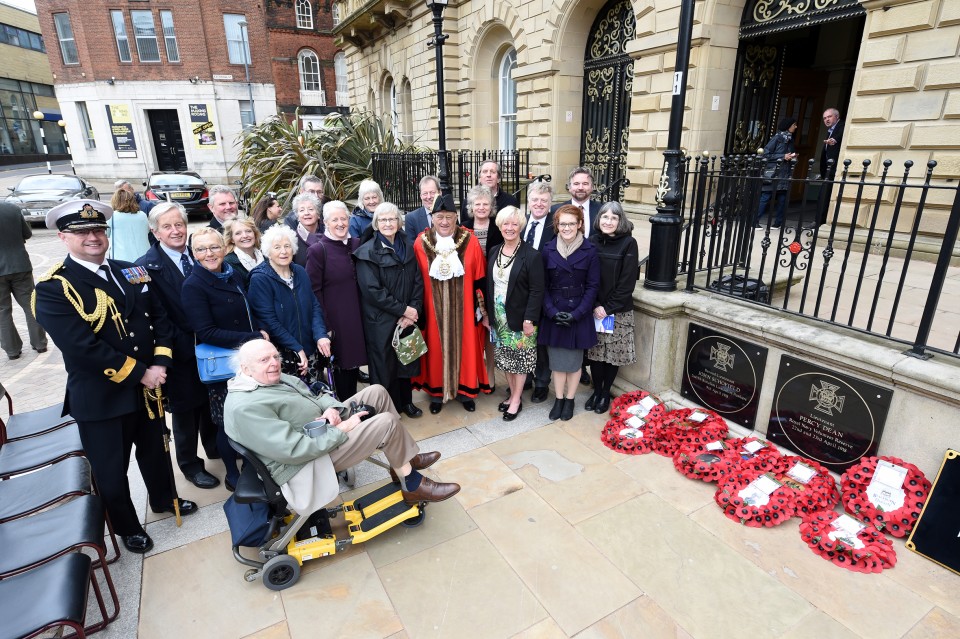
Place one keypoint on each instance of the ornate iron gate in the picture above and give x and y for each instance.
(608, 85)
(754, 98)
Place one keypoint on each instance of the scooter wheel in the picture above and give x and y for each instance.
(281, 572)
(413, 522)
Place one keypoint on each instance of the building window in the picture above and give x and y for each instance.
(68, 46)
(405, 99)
(145, 33)
(22, 38)
(304, 14)
(309, 71)
(84, 118)
(394, 112)
(120, 33)
(246, 114)
(340, 71)
(169, 36)
(237, 43)
(335, 13)
(508, 101)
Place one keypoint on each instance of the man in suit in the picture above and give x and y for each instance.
(16, 282)
(419, 219)
(490, 178)
(169, 263)
(222, 202)
(580, 187)
(539, 232)
(829, 157)
(116, 344)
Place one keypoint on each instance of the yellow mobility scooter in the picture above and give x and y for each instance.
(293, 538)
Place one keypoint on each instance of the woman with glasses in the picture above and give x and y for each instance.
(220, 316)
(619, 261)
(284, 304)
(391, 295)
(369, 196)
(243, 247)
(309, 228)
(572, 279)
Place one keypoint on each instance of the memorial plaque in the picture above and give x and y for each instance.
(936, 535)
(723, 374)
(831, 418)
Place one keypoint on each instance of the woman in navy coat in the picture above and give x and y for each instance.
(220, 316)
(283, 303)
(572, 279)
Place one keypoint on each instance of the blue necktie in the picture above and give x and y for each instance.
(532, 233)
(185, 265)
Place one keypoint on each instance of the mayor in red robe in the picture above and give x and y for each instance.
(453, 268)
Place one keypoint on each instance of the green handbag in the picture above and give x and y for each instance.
(409, 348)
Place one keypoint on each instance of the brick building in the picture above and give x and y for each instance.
(165, 85)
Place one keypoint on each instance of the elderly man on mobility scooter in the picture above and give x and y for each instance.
(266, 412)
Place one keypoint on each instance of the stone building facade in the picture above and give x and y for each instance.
(890, 66)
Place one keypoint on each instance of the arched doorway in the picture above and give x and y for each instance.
(607, 88)
(795, 58)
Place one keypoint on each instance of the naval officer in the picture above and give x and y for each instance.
(116, 345)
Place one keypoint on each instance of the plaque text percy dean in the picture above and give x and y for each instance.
(724, 374)
(831, 418)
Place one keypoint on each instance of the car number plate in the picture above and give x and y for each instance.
(181, 195)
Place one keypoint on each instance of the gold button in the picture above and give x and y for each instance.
(132, 334)
(136, 348)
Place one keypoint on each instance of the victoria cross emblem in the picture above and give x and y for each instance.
(826, 398)
(721, 356)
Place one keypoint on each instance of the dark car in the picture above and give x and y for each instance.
(187, 189)
(37, 194)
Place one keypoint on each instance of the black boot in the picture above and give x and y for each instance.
(556, 410)
(603, 404)
(592, 400)
(566, 412)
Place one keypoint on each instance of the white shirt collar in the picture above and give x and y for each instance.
(93, 267)
(174, 255)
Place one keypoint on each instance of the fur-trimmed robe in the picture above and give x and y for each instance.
(455, 341)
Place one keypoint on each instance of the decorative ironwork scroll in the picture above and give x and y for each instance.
(771, 16)
(608, 84)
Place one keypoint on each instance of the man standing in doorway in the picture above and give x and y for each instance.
(490, 178)
(580, 187)
(222, 202)
(16, 282)
(829, 157)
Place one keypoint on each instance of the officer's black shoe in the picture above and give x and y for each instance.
(187, 507)
(139, 543)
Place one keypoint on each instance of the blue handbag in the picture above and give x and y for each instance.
(213, 363)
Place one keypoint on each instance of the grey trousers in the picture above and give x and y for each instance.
(19, 286)
(382, 431)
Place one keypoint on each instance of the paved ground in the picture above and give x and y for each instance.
(553, 535)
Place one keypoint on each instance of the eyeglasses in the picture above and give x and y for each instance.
(203, 250)
(388, 220)
(566, 225)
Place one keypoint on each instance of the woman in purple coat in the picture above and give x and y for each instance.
(572, 279)
(334, 278)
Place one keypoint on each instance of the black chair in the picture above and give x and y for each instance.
(31, 542)
(32, 453)
(24, 495)
(50, 596)
(32, 423)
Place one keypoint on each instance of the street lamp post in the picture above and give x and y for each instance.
(38, 116)
(665, 225)
(443, 169)
(66, 142)
(244, 34)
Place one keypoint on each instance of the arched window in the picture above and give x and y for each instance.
(304, 14)
(335, 13)
(389, 102)
(340, 71)
(508, 100)
(309, 71)
(405, 100)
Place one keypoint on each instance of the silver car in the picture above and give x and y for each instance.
(37, 194)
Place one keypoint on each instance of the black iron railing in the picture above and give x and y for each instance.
(871, 254)
(398, 174)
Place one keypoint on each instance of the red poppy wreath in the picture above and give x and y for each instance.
(707, 462)
(814, 487)
(630, 435)
(755, 454)
(688, 426)
(886, 492)
(639, 403)
(846, 542)
(755, 499)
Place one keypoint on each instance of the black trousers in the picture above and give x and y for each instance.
(108, 444)
(189, 428)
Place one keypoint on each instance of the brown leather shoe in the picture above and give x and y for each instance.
(419, 462)
(430, 491)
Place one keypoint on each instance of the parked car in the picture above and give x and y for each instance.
(37, 194)
(186, 188)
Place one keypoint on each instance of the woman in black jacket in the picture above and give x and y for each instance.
(619, 263)
(513, 297)
(391, 295)
(220, 316)
(779, 149)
